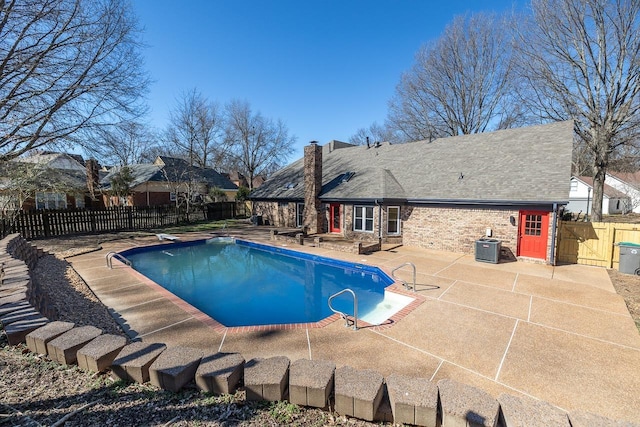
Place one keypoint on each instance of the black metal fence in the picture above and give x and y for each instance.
(51, 223)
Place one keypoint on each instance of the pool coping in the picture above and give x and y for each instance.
(395, 287)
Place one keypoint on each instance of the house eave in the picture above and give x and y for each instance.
(480, 202)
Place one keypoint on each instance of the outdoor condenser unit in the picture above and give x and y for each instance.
(488, 250)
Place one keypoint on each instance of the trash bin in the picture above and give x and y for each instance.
(488, 250)
(629, 258)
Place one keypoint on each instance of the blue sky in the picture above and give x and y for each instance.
(326, 68)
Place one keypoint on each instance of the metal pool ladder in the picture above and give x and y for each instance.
(406, 285)
(116, 255)
(345, 316)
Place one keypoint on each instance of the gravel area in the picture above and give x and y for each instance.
(34, 391)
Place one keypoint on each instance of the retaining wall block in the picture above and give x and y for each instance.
(528, 412)
(220, 373)
(20, 295)
(99, 354)
(413, 400)
(37, 340)
(134, 360)
(9, 308)
(463, 405)
(358, 393)
(17, 331)
(311, 382)
(587, 419)
(175, 367)
(65, 347)
(267, 379)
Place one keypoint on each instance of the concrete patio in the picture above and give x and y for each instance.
(560, 334)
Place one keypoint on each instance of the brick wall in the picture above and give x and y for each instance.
(279, 214)
(457, 229)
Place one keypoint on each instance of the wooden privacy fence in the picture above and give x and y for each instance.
(52, 223)
(594, 243)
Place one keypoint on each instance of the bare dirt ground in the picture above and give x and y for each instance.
(35, 391)
(628, 287)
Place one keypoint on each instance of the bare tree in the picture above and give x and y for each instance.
(459, 84)
(196, 128)
(374, 133)
(258, 145)
(581, 60)
(66, 66)
(125, 143)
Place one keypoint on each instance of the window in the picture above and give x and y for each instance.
(574, 185)
(299, 214)
(393, 220)
(363, 218)
(80, 201)
(533, 225)
(51, 200)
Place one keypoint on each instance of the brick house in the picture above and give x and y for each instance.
(165, 180)
(441, 195)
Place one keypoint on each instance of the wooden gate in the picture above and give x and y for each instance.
(594, 243)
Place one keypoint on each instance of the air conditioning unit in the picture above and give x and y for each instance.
(488, 250)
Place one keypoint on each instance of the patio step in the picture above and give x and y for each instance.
(134, 360)
(413, 400)
(267, 379)
(527, 412)
(311, 382)
(37, 340)
(98, 354)
(220, 373)
(358, 393)
(464, 405)
(175, 367)
(64, 348)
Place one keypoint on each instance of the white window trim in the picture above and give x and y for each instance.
(299, 214)
(364, 219)
(399, 221)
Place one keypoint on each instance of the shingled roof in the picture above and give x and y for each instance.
(171, 169)
(530, 165)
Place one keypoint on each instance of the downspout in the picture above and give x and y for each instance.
(552, 258)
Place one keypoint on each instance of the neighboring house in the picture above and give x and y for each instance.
(45, 180)
(581, 198)
(627, 183)
(441, 195)
(241, 181)
(165, 181)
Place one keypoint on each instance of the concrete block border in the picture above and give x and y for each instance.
(412, 400)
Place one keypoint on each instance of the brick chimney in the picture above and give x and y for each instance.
(92, 177)
(314, 216)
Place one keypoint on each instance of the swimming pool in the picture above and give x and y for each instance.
(242, 283)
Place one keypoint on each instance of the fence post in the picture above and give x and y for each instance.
(130, 216)
(45, 223)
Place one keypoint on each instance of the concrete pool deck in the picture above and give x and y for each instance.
(560, 334)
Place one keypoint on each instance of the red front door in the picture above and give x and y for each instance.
(533, 230)
(334, 218)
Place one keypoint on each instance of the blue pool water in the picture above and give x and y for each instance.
(241, 283)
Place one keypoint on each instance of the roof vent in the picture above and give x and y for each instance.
(290, 185)
(347, 176)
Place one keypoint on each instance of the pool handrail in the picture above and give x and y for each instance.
(116, 255)
(345, 316)
(406, 285)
